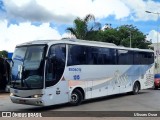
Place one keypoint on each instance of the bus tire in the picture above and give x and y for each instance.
(76, 97)
(136, 88)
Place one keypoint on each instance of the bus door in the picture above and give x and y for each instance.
(55, 82)
(89, 85)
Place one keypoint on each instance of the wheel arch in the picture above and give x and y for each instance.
(81, 90)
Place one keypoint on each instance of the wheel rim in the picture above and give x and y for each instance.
(74, 98)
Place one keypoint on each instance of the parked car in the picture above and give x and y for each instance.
(156, 81)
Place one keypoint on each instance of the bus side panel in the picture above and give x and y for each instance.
(57, 94)
(102, 80)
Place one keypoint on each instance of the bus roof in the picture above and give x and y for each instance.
(81, 42)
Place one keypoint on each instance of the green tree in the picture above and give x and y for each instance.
(122, 36)
(88, 29)
(109, 35)
(84, 28)
(4, 54)
(138, 39)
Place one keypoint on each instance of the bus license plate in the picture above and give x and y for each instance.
(22, 101)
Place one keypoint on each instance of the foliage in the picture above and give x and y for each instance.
(120, 36)
(138, 39)
(4, 54)
(83, 28)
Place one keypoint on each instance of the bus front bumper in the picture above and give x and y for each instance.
(27, 101)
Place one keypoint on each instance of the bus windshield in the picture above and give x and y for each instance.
(27, 70)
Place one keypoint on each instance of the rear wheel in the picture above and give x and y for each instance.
(76, 97)
(136, 88)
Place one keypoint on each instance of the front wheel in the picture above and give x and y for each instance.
(76, 97)
(136, 88)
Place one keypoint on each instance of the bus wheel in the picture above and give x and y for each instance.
(136, 88)
(76, 97)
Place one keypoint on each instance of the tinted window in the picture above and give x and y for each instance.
(143, 58)
(55, 64)
(103, 56)
(149, 58)
(77, 54)
(125, 57)
(138, 58)
(90, 55)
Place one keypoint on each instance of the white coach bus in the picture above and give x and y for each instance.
(59, 71)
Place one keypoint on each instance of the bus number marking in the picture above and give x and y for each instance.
(76, 77)
(75, 69)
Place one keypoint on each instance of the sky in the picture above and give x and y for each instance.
(27, 20)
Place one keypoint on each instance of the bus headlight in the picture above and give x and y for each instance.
(37, 95)
(11, 94)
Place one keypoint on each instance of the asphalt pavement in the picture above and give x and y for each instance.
(146, 100)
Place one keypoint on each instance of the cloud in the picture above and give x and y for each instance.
(16, 34)
(138, 8)
(153, 36)
(63, 11)
(31, 10)
(104, 8)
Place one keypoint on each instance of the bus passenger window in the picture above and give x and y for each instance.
(76, 55)
(125, 57)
